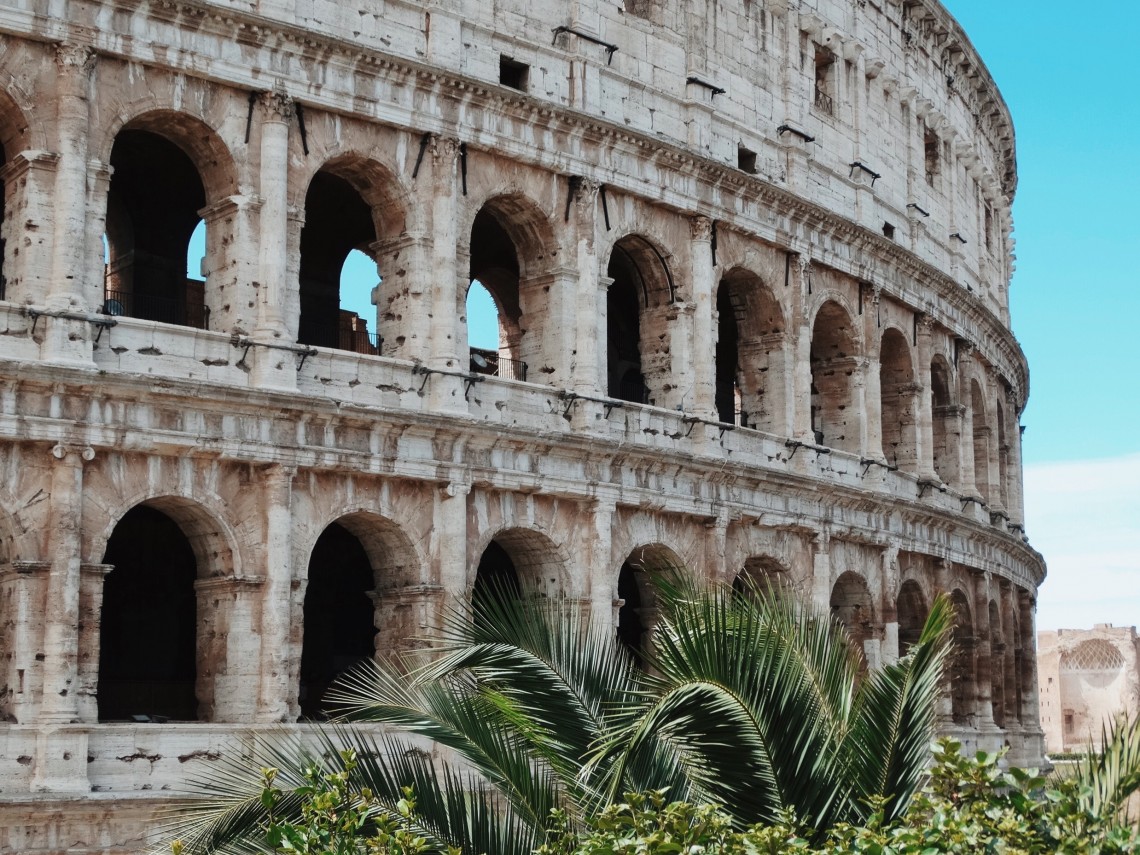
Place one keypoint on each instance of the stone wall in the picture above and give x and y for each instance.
(750, 261)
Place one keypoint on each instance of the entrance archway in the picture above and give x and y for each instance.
(148, 629)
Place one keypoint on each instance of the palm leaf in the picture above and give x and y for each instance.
(889, 745)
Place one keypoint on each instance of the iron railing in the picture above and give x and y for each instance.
(824, 102)
(339, 337)
(489, 362)
(165, 310)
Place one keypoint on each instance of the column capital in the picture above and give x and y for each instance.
(71, 57)
(585, 193)
(444, 150)
(700, 228)
(61, 451)
(277, 105)
(925, 322)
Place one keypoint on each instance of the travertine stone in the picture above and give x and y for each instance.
(186, 442)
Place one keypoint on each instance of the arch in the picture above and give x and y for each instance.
(352, 203)
(834, 361)
(852, 606)
(898, 396)
(1092, 655)
(997, 665)
(945, 420)
(525, 560)
(151, 649)
(750, 353)
(911, 608)
(154, 204)
(981, 441)
(512, 246)
(13, 134)
(637, 615)
(638, 357)
(759, 571)
(962, 665)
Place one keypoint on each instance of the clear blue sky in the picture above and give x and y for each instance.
(1069, 76)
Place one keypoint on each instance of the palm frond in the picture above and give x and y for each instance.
(452, 809)
(889, 744)
(1109, 777)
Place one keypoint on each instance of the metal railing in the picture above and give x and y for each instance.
(824, 102)
(165, 310)
(489, 362)
(339, 337)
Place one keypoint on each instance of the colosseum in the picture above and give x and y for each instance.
(750, 260)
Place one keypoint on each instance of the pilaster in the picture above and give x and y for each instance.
(702, 273)
(277, 682)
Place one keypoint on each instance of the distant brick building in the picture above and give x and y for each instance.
(1086, 677)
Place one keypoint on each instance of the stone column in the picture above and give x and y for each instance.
(965, 483)
(61, 748)
(276, 689)
(866, 406)
(871, 444)
(801, 347)
(599, 548)
(703, 354)
(821, 571)
(1014, 475)
(274, 367)
(230, 650)
(890, 577)
(61, 624)
(449, 541)
(232, 263)
(983, 653)
(590, 339)
(23, 592)
(942, 569)
(67, 340)
(403, 300)
(91, 577)
(446, 346)
(924, 431)
(28, 181)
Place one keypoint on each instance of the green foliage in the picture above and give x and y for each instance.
(969, 805)
(747, 701)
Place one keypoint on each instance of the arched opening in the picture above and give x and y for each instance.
(153, 206)
(729, 400)
(962, 670)
(339, 614)
(834, 416)
(1013, 666)
(981, 441)
(911, 610)
(1003, 457)
(483, 329)
(851, 606)
(148, 629)
(758, 574)
(13, 141)
(898, 394)
(520, 561)
(945, 418)
(997, 665)
(750, 354)
(637, 616)
(638, 356)
(495, 269)
(338, 220)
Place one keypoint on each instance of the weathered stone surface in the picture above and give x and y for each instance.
(762, 330)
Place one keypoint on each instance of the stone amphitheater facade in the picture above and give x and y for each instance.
(751, 262)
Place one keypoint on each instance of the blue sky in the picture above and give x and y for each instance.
(1070, 81)
(1067, 75)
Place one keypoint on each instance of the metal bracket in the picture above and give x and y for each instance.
(868, 462)
(304, 351)
(926, 484)
(611, 48)
(469, 379)
(795, 445)
(712, 87)
(858, 164)
(95, 320)
(788, 129)
(922, 211)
